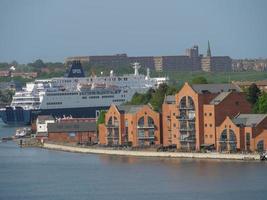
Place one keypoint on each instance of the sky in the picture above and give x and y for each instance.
(55, 29)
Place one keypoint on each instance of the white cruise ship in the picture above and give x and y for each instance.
(76, 95)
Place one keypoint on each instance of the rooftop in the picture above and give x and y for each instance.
(219, 98)
(169, 99)
(129, 108)
(72, 127)
(215, 88)
(249, 119)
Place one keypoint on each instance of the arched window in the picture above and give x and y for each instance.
(223, 140)
(223, 137)
(232, 140)
(110, 121)
(183, 103)
(260, 146)
(116, 122)
(141, 122)
(150, 121)
(191, 103)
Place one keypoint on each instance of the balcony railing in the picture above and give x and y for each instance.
(115, 125)
(186, 107)
(187, 129)
(185, 118)
(149, 126)
(112, 137)
(146, 137)
(188, 139)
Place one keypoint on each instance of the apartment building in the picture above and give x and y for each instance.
(137, 126)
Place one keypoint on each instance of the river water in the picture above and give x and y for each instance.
(33, 173)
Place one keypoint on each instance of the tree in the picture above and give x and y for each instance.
(101, 118)
(253, 93)
(199, 80)
(261, 105)
(37, 64)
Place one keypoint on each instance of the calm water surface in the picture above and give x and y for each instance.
(32, 173)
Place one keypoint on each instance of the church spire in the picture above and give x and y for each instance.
(208, 50)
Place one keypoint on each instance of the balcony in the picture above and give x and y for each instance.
(112, 137)
(115, 125)
(190, 107)
(149, 126)
(146, 137)
(185, 118)
(187, 129)
(190, 138)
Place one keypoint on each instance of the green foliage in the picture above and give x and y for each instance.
(261, 105)
(37, 64)
(6, 96)
(253, 93)
(199, 80)
(101, 118)
(154, 97)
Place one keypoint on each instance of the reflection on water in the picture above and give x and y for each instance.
(32, 173)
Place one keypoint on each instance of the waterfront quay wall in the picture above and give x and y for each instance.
(151, 153)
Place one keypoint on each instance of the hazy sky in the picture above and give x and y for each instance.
(54, 29)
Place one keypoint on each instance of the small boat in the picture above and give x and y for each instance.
(22, 132)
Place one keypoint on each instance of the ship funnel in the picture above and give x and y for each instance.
(136, 67)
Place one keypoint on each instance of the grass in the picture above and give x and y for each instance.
(178, 78)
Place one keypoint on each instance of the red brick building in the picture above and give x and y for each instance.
(130, 125)
(245, 132)
(72, 132)
(190, 121)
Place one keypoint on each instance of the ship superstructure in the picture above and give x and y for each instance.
(75, 95)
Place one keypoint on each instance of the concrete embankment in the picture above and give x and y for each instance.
(152, 154)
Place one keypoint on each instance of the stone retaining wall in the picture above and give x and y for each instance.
(153, 154)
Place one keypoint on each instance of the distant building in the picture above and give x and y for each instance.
(262, 85)
(191, 61)
(249, 65)
(211, 63)
(5, 73)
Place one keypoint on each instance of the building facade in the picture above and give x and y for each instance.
(244, 132)
(191, 61)
(190, 121)
(75, 132)
(137, 126)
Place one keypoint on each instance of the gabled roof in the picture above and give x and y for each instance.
(219, 98)
(215, 88)
(129, 108)
(169, 99)
(61, 127)
(249, 119)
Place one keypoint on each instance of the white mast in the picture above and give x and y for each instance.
(136, 67)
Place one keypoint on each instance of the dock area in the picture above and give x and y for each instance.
(151, 153)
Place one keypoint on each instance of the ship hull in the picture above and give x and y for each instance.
(19, 116)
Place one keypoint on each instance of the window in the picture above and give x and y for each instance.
(210, 125)
(260, 146)
(205, 114)
(211, 136)
(206, 125)
(210, 114)
(71, 134)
